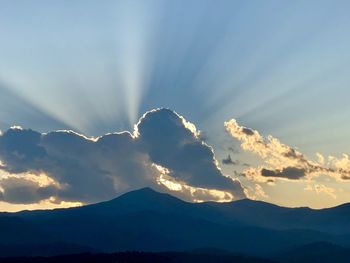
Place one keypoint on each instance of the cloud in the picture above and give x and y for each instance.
(26, 188)
(228, 161)
(196, 194)
(174, 143)
(163, 151)
(283, 161)
(256, 192)
(23, 191)
(270, 149)
(292, 173)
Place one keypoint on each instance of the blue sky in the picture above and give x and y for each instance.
(279, 67)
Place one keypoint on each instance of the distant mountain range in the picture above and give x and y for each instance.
(145, 220)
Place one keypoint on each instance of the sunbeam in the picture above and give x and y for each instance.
(95, 67)
(135, 25)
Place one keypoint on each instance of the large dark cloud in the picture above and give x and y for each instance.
(91, 170)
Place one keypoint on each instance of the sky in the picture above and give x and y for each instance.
(264, 83)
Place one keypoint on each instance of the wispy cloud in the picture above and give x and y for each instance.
(281, 161)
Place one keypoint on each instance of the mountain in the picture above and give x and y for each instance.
(142, 257)
(320, 252)
(145, 220)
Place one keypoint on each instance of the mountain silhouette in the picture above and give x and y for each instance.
(321, 252)
(143, 257)
(146, 220)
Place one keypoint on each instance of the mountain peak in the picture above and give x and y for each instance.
(143, 199)
(146, 192)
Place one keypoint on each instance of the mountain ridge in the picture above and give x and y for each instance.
(149, 191)
(146, 220)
